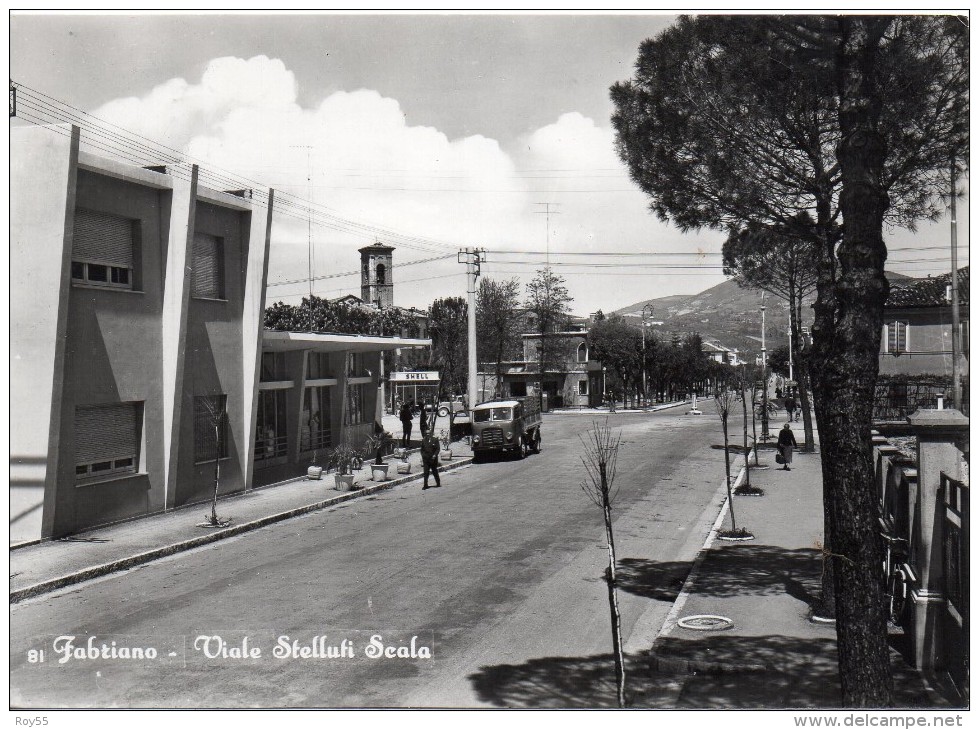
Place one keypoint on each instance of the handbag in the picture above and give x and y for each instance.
(779, 458)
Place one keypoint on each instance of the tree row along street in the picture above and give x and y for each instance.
(502, 565)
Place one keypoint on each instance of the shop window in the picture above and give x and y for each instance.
(316, 432)
(273, 366)
(107, 439)
(355, 406)
(319, 366)
(582, 387)
(102, 252)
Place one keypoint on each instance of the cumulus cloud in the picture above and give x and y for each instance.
(354, 154)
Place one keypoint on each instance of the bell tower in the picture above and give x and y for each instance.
(376, 285)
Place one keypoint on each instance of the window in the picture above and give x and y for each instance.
(319, 366)
(582, 387)
(582, 352)
(210, 411)
(102, 249)
(897, 337)
(380, 273)
(355, 405)
(316, 433)
(107, 439)
(271, 431)
(355, 365)
(208, 267)
(273, 366)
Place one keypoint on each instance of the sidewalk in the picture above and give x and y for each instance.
(772, 655)
(43, 567)
(604, 409)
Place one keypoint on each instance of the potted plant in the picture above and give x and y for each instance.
(446, 452)
(404, 467)
(314, 470)
(376, 445)
(343, 456)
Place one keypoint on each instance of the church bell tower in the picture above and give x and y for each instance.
(375, 275)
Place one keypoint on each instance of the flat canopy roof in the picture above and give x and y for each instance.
(276, 341)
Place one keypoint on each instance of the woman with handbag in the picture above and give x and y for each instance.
(786, 442)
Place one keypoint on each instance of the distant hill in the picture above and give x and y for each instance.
(726, 313)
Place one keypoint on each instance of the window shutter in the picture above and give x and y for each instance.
(105, 432)
(208, 278)
(102, 238)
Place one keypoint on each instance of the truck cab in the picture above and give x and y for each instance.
(506, 427)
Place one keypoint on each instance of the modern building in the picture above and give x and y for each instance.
(137, 351)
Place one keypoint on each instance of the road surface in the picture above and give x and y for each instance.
(497, 571)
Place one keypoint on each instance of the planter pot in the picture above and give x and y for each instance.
(379, 472)
(345, 482)
(314, 472)
(445, 454)
(404, 468)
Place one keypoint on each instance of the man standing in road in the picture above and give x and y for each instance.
(430, 458)
(405, 415)
(423, 419)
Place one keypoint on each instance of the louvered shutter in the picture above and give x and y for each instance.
(105, 432)
(102, 238)
(208, 266)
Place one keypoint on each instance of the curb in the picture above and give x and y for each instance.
(132, 561)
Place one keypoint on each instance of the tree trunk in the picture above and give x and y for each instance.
(744, 412)
(217, 472)
(727, 473)
(846, 373)
(801, 369)
(613, 598)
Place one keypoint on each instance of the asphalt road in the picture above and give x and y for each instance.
(500, 569)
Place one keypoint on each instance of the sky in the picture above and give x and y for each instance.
(426, 132)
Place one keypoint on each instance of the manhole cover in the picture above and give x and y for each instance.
(705, 623)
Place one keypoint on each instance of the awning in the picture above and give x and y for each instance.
(276, 341)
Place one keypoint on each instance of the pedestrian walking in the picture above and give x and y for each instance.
(786, 442)
(405, 415)
(790, 406)
(611, 402)
(430, 459)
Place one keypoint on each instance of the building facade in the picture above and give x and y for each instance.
(917, 335)
(137, 351)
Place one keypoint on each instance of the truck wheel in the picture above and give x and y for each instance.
(521, 448)
(477, 458)
(443, 412)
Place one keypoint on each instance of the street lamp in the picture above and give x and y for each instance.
(645, 392)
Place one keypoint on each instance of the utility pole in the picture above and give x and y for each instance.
(472, 259)
(764, 381)
(547, 239)
(790, 354)
(956, 327)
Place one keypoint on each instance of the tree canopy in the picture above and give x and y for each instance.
(338, 317)
(448, 326)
